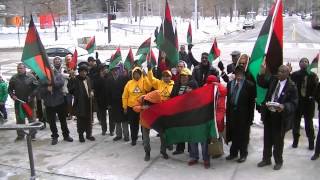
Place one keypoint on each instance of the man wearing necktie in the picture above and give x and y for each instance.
(240, 113)
(306, 83)
(277, 119)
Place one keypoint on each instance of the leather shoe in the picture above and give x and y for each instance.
(164, 155)
(68, 139)
(315, 157)
(91, 138)
(192, 162)
(54, 141)
(177, 152)
(126, 139)
(117, 138)
(230, 157)
(242, 159)
(206, 164)
(133, 143)
(81, 138)
(277, 166)
(264, 163)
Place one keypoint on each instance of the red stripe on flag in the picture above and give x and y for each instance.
(45, 70)
(27, 109)
(167, 13)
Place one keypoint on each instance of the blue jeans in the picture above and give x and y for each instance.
(194, 151)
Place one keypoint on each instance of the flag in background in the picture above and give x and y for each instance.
(35, 57)
(115, 59)
(214, 51)
(189, 34)
(91, 46)
(128, 63)
(314, 63)
(151, 59)
(167, 39)
(185, 118)
(144, 50)
(269, 46)
(74, 61)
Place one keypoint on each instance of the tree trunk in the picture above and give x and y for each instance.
(231, 14)
(136, 11)
(55, 27)
(216, 14)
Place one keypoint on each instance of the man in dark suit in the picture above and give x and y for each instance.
(316, 154)
(306, 83)
(277, 118)
(240, 113)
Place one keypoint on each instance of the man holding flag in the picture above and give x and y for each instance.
(22, 89)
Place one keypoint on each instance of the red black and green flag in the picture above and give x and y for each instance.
(314, 63)
(185, 118)
(269, 47)
(144, 48)
(115, 59)
(24, 110)
(176, 38)
(91, 46)
(128, 63)
(151, 59)
(35, 57)
(214, 51)
(74, 61)
(167, 40)
(189, 34)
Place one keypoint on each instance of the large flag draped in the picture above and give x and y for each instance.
(189, 34)
(115, 59)
(269, 47)
(185, 118)
(35, 57)
(91, 46)
(128, 63)
(167, 39)
(214, 51)
(314, 63)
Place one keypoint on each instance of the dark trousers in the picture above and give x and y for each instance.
(240, 141)
(306, 109)
(3, 111)
(317, 149)
(102, 117)
(273, 138)
(146, 141)
(180, 147)
(112, 121)
(133, 118)
(51, 116)
(84, 124)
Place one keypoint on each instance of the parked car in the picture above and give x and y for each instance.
(248, 23)
(63, 51)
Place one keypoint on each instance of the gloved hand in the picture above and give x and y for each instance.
(190, 46)
(149, 66)
(221, 66)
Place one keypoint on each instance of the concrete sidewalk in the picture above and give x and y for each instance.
(105, 159)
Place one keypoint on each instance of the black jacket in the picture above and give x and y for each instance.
(289, 98)
(177, 85)
(200, 74)
(312, 82)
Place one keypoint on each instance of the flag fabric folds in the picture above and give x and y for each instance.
(167, 39)
(91, 46)
(151, 59)
(128, 63)
(185, 118)
(189, 34)
(115, 59)
(74, 61)
(214, 51)
(24, 110)
(35, 57)
(314, 63)
(269, 47)
(144, 50)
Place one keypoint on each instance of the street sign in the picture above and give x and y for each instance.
(17, 20)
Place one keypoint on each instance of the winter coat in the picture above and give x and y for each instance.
(23, 86)
(164, 88)
(134, 89)
(3, 91)
(57, 96)
(101, 92)
(200, 74)
(82, 104)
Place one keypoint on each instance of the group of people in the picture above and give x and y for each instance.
(122, 94)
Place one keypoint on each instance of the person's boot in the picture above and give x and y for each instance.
(164, 155)
(147, 156)
(295, 142)
(81, 138)
(315, 156)
(311, 144)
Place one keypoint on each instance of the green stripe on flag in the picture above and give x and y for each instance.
(32, 64)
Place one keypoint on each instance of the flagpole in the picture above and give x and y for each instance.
(271, 28)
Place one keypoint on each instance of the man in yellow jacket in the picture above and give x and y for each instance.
(138, 86)
(164, 86)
